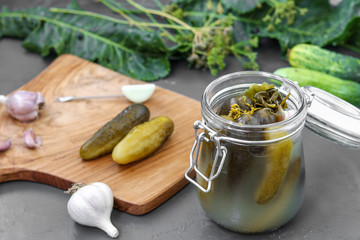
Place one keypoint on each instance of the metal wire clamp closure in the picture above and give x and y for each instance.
(309, 97)
(221, 152)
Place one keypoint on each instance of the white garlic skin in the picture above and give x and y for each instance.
(92, 205)
(23, 105)
(30, 139)
(5, 145)
(284, 114)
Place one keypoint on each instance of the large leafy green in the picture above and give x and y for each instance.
(136, 53)
(196, 12)
(140, 52)
(241, 6)
(350, 37)
(321, 25)
(237, 6)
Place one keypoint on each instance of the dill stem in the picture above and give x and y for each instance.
(87, 13)
(122, 13)
(162, 14)
(166, 33)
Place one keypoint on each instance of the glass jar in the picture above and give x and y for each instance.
(251, 178)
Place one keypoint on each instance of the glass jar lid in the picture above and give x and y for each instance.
(333, 118)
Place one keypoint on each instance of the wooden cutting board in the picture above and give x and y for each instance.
(63, 127)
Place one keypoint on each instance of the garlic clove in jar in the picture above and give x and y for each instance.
(92, 205)
(23, 105)
(30, 139)
(282, 114)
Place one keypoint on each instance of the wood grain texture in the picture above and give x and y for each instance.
(137, 187)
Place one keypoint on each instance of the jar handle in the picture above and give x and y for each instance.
(221, 152)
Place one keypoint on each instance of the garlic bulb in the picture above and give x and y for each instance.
(30, 139)
(23, 105)
(92, 205)
(5, 145)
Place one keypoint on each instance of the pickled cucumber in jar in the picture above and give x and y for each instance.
(259, 105)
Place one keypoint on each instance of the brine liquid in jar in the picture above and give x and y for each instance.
(258, 189)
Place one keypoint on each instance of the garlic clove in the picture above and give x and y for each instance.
(23, 105)
(30, 139)
(92, 205)
(138, 93)
(5, 145)
(282, 114)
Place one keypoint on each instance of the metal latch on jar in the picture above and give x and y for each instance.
(221, 152)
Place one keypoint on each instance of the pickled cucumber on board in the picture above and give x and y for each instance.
(278, 159)
(106, 138)
(143, 140)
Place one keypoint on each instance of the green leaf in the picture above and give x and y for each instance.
(321, 25)
(350, 37)
(195, 12)
(241, 6)
(237, 6)
(128, 50)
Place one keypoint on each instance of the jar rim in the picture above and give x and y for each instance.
(299, 114)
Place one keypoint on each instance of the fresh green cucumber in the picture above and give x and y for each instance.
(345, 89)
(316, 58)
(106, 138)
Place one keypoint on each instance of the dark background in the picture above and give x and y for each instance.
(33, 211)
